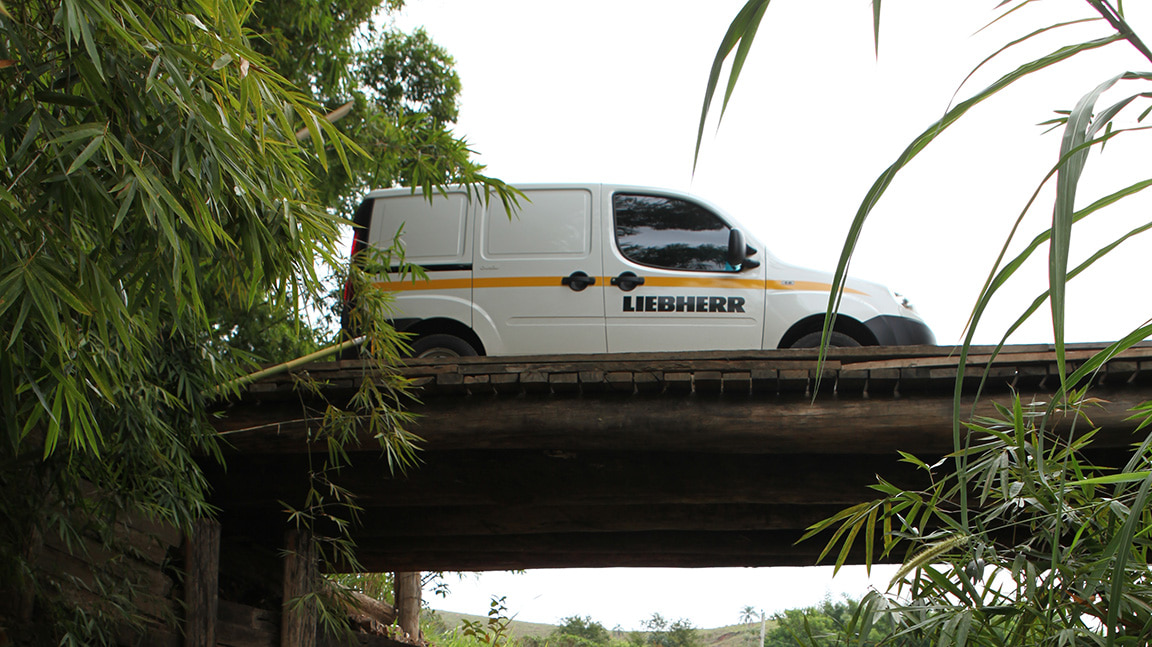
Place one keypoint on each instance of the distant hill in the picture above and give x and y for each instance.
(730, 636)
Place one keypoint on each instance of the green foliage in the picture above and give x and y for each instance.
(827, 625)
(401, 88)
(661, 633)
(1019, 539)
(576, 631)
(161, 221)
(494, 631)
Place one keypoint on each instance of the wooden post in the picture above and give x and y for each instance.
(407, 597)
(201, 588)
(298, 615)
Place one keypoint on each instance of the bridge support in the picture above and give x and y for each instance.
(407, 597)
(201, 589)
(299, 613)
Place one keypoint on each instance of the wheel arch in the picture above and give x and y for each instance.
(443, 326)
(815, 323)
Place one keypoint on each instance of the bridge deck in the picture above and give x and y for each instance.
(691, 459)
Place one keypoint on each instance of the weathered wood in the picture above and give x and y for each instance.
(476, 478)
(244, 626)
(407, 596)
(463, 521)
(298, 613)
(450, 372)
(646, 459)
(368, 612)
(201, 583)
(724, 423)
(689, 549)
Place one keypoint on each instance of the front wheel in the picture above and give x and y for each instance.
(836, 339)
(440, 346)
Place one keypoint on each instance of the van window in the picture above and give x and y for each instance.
(670, 233)
(550, 223)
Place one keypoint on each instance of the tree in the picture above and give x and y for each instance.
(401, 88)
(1020, 539)
(749, 615)
(152, 186)
(679, 633)
(575, 631)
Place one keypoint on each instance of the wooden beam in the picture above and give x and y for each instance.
(575, 550)
(517, 478)
(918, 423)
(201, 586)
(464, 521)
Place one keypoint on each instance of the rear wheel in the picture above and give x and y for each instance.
(437, 346)
(812, 340)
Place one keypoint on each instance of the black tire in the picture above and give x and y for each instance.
(437, 346)
(837, 339)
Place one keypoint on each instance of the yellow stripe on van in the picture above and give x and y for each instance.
(699, 282)
(808, 286)
(649, 281)
(521, 282)
(409, 285)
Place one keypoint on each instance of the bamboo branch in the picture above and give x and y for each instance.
(1121, 26)
(245, 380)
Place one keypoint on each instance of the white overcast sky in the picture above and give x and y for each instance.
(610, 90)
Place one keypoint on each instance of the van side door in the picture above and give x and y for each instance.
(671, 285)
(537, 286)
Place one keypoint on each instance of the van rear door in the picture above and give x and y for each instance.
(437, 236)
(537, 285)
(671, 286)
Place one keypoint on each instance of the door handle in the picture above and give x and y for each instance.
(627, 281)
(578, 281)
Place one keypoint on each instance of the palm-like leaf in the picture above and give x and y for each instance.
(1077, 552)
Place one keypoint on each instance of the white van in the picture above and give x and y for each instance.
(594, 268)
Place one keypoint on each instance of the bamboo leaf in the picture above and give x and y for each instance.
(85, 154)
(747, 19)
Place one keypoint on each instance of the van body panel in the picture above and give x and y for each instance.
(521, 263)
(589, 268)
(434, 232)
(437, 235)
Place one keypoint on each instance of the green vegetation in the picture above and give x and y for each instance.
(166, 193)
(661, 633)
(826, 625)
(1019, 539)
(575, 631)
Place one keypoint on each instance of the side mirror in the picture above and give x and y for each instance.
(738, 252)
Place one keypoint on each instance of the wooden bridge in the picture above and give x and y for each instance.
(688, 459)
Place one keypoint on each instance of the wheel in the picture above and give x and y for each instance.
(812, 340)
(435, 346)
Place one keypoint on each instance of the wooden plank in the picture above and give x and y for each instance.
(706, 382)
(620, 382)
(564, 382)
(649, 382)
(737, 382)
(478, 385)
